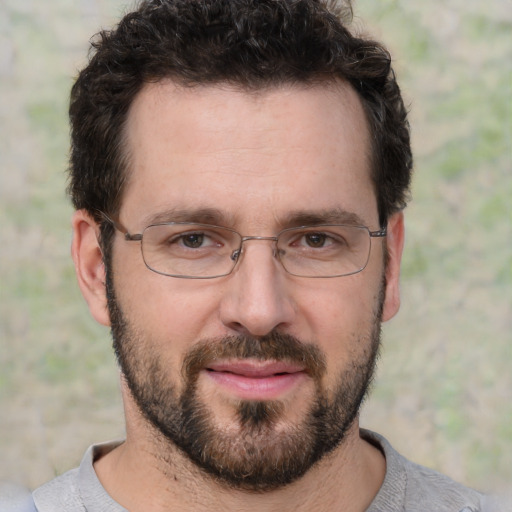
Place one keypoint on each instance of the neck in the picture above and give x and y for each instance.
(147, 473)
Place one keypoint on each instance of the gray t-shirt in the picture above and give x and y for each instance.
(407, 487)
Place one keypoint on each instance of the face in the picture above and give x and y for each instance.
(255, 375)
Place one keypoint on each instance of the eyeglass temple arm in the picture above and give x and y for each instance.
(117, 225)
(380, 233)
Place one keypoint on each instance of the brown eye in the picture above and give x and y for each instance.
(193, 240)
(315, 239)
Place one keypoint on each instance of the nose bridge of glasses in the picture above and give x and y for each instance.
(237, 252)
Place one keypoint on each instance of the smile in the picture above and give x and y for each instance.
(256, 380)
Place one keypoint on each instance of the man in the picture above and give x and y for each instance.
(239, 171)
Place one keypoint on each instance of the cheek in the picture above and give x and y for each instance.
(340, 304)
(341, 319)
(164, 309)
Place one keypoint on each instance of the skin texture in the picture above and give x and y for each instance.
(258, 163)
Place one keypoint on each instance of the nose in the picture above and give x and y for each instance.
(257, 297)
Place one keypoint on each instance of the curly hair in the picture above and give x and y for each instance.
(252, 44)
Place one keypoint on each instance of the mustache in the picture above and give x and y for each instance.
(274, 346)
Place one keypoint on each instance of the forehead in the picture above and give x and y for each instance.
(268, 152)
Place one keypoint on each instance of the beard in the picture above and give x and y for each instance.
(259, 450)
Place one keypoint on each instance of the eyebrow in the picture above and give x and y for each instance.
(195, 216)
(220, 218)
(318, 217)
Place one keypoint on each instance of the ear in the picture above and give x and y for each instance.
(89, 267)
(395, 245)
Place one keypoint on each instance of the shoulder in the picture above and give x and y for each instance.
(78, 490)
(15, 498)
(61, 493)
(428, 486)
(413, 488)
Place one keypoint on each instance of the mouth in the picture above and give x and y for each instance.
(256, 380)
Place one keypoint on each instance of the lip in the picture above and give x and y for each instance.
(256, 380)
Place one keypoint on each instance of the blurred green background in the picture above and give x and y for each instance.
(443, 395)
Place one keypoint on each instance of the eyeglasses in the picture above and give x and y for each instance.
(203, 251)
